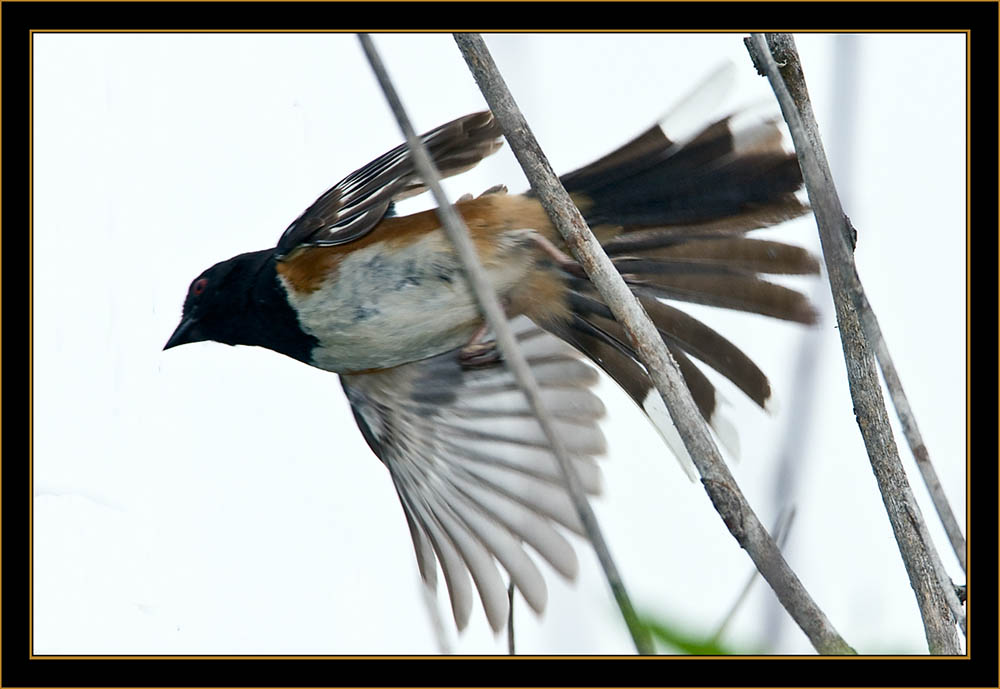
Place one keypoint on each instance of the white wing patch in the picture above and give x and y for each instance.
(473, 469)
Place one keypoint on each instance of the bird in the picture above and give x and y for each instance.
(381, 300)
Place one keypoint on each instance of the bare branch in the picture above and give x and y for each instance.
(909, 423)
(716, 478)
(497, 320)
(775, 56)
(510, 619)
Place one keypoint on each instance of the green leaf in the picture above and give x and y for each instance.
(684, 641)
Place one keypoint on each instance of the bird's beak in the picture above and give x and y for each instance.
(184, 334)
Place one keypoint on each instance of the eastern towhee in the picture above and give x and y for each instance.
(382, 300)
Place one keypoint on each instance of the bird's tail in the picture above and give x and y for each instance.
(673, 217)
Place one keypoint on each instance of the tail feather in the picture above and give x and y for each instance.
(751, 218)
(618, 360)
(593, 331)
(672, 215)
(701, 341)
(707, 401)
(741, 292)
(721, 173)
(679, 330)
(741, 253)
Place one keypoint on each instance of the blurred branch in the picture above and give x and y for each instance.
(514, 358)
(716, 478)
(792, 455)
(775, 56)
(510, 619)
(781, 530)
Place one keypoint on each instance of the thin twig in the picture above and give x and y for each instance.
(847, 73)
(923, 567)
(792, 456)
(497, 320)
(716, 478)
(782, 527)
(909, 423)
(510, 619)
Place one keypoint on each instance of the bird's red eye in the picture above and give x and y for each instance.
(199, 286)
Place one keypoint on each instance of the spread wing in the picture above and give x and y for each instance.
(473, 470)
(353, 206)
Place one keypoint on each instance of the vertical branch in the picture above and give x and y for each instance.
(936, 598)
(497, 320)
(908, 421)
(510, 619)
(716, 478)
(803, 397)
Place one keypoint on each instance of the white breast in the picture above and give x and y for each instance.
(387, 307)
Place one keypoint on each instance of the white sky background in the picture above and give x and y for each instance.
(213, 499)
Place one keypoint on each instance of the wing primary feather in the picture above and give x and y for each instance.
(504, 547)
(492, 591)
(453, 565)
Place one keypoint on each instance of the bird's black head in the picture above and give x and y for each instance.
(241, 302)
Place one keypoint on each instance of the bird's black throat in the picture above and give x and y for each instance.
(245, 304)
(271, 321)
